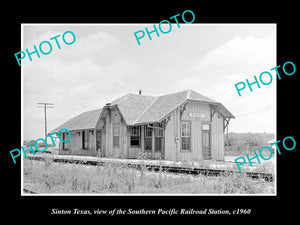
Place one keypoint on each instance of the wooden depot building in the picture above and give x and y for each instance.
(183, 126)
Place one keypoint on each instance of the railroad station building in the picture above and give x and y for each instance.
(182, 126)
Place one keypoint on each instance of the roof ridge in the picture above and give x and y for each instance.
(154, 100)
(172, 93)
(161, 96)
(141, 95)
(91, 110)
(118, 100)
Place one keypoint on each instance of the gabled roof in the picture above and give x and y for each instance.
(139, 109)
(132, 106)
(165, 104)
(86, 120)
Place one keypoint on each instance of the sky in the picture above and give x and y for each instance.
(105, 62)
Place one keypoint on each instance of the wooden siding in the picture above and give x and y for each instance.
(75, 144)
(171, 132)
(121, 151)
(196, 133)
(134, 152)
(172, 149)
(173, 129)
(217, 137)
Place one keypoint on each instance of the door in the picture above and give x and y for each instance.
(159, 142)
(206, 141)
(98, 143)
(148, 138)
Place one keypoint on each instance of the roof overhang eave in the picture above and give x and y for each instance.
(224, 111)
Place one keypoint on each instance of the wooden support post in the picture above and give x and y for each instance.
(226, 123)
(182, 108)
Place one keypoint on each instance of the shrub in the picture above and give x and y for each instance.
(118, 178)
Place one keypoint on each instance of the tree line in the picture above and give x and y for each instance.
(248, 139)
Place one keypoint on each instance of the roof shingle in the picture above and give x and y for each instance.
(138, 109)
(132, 106)
(86, 120)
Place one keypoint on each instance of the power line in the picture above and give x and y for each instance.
(255, 112)
(45, 106)
(221, 92)
(232, 87)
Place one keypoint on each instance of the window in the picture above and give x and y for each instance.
(135, 136)
(185, 135)
(158, 132)
(116, 135)
(84, 139)
(206, 126)
(148, 132)
(65, 145)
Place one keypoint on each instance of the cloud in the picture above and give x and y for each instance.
(241, 54)
(77, 78)
(86, 63)
(100, 46)
(238, 59)
(101, 66)
(235, 60)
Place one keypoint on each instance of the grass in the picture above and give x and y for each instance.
(49, 177)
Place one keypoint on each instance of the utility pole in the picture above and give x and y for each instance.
(45, 106)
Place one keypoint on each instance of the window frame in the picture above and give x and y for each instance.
(116, 136)
(159, 132)
(204, 123)
(148, 129)
(185, 137)
(85, 139)
(65, 145)
(135, 136)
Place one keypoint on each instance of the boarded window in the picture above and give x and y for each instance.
(85, 139)
(185, 135)
(116, 135)
(135, 136)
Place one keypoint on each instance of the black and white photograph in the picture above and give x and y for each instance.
(119, 113)
(145, 111)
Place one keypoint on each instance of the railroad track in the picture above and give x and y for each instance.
(29, 191)
(152, 167)
(211, 172)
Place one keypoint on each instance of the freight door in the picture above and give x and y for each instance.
(206, 141)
